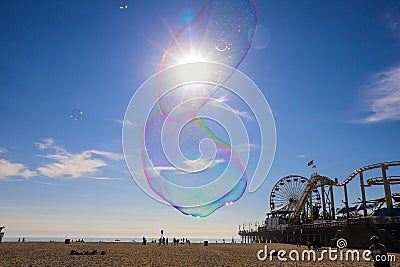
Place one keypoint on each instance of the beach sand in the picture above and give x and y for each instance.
(135, 254)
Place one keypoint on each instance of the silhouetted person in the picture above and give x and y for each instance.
(379, 253)
(23, 239)
(166, 241)
(163, 240)
(144, 241)
(319, 245)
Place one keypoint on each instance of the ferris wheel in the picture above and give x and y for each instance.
(287, 193)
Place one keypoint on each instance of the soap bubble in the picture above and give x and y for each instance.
(76, 114)
(189, 146)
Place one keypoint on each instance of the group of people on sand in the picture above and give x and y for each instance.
(314, 245)
(165, 241)
(86, 252)
(175, 241)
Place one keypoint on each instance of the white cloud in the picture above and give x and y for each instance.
(127, 122)
(301, 156)
(11, 169)
(220, 103)
(103, 178)
(3, 150)
(164, 168)
(246, 147)
(45, 144)
(392, 19)
(109, 155)
(69, 165)
(383, 96)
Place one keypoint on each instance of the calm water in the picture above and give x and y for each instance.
(136, 239)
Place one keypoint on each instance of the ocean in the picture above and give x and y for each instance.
(106, 239)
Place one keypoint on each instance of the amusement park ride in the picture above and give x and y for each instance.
(303, 210)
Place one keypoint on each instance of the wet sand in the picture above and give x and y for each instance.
(135, 254)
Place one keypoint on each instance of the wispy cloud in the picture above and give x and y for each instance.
(60, 163)
(104, 178)
(46, 143)
(127, 122)
(247, 147)
(109, 155)
(392, 18)
(11, 169)
(64, 164)
(221, 103)
(383, 96)
(3, 150)
(301, 156)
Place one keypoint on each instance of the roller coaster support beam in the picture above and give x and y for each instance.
(386, 185)
(324, 213)
(311, 208)
(364, 199)
(346, 199)
(333, 217)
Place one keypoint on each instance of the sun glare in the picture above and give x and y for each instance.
(194, 56)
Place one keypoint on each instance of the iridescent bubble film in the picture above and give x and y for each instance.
(222, 32)
(76, 114)
(195, 132)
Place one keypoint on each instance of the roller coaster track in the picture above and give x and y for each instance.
(318, 180)
(366, 168)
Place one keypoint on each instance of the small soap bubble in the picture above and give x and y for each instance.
(221, 45)
(122, 4)
(76, 114)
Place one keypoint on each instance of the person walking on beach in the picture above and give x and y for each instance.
(379, 253)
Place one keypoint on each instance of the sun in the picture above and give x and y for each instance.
(192, 57)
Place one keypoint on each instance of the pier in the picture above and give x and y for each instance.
(302, 211)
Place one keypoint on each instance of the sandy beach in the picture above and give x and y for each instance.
(135, 254)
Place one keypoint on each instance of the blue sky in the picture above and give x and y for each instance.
(329, 70)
